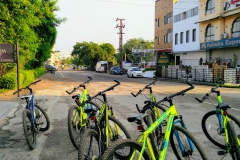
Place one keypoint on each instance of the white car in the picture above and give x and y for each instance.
(134, 72)
(84, 67)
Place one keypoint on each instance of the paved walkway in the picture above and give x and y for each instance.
(7, 109)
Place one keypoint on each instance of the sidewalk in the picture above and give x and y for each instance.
(7, 109)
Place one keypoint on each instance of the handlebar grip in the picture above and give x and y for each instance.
(90, 77)
(221, 79)
(138, 108)
(15, 92)
(117, 81)
(133, 95)
(190, 85)
(68, 92)
(198, 100)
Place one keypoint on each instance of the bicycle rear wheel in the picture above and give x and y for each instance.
(42, 119)
(125, 147)
(233, 140)
(184, 145)
(211, 128)
(29, 130)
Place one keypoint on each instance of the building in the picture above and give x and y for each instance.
(186, 33)
(63, 54)
(219, 27)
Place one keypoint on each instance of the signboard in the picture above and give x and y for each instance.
(231, 4)
(163, 59)
(231, 42)
(143, 50)
(7, 53)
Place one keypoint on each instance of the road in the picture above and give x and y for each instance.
(50, 93)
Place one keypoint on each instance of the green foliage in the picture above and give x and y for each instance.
(26, 77)
(39, 71)
(8, 81)
(149, 69)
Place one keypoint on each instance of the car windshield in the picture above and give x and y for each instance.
(116, 68)
(136, 69)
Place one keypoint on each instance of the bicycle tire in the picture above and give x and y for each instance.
(235, 148)
(74, 130)
(29, 132)
(156, 137)
(210, 127)
(110, 152)
(41, 117)
(187, 150)
(84, 148)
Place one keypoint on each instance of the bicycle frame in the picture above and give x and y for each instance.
(169, 114)
(30, 106)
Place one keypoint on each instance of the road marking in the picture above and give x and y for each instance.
(61, 74)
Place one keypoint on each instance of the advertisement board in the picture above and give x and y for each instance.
(7, 53)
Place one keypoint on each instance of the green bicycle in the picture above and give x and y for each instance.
(78, 119)
(142, 149)
(107, 130)
(221, 127)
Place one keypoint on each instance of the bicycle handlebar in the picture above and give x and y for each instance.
(146, 87)
(27, 87)
(81, 85)
(211, 91)
(108, 89)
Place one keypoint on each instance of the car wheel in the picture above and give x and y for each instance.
(132, 75)
(127, 75)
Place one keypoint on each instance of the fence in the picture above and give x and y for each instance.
(209, 75)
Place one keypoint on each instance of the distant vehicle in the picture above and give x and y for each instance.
(134, 72)
(84, 67)
(101, 66)
(238, 67)
(116, 70)
(51, 67)
(74, 67)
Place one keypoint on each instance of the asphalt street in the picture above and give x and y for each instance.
(52, 97)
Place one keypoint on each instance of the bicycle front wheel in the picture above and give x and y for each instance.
(29, 130)
(90, 147)
(125, 147)
(42, 119)
(184, 145)
(233, 140)
(211, 128)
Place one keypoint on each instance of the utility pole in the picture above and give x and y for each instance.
(120, 26)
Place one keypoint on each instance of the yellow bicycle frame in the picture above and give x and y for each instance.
(170, 114)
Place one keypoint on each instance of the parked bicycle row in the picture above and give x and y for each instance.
(96, 132)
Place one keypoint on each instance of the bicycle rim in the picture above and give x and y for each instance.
(233, 140)
(29, 131)
(42, 120)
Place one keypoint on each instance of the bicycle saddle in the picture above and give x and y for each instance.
(224, 106)
(137, 119)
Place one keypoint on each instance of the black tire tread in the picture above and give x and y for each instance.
(46, 117)
(235, 148)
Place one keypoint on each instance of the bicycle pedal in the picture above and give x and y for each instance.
(221, 152)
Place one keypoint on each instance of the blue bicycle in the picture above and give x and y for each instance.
(34, 117)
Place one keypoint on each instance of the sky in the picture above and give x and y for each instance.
(95, 20)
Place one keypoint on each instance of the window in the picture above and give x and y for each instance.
(158, 40)
(188, 14)
(210, 7)
(236, 28)
(177, 18)
(183, 15)
(187, 36)
(158, 22)
(176, 38)
(168, 36)
(168, 18)
(194, 35)
(181, 37)
(195, 11)
(210, 33)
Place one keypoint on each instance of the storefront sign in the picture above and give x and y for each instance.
(163, 58)
(231, 42)
(7, 53)
(231, 4)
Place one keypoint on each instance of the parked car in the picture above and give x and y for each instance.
(51, 67)
(116, 70)
(238, 67)
(102, 66)
(84, 67)
(134, 72)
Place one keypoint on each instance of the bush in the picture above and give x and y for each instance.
(26, 77)
(149, 69)
(8, 81)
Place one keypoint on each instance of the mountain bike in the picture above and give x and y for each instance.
(107, 130)
(78, 119)
(34, 117)
(142, 149)
(221, 127)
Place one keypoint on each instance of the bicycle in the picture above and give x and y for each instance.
(78, 119)
(143, 147)
(34, 117)
(156, 137)
(106, 129)
(218, 125)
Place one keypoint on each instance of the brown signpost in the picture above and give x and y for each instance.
(9, 55)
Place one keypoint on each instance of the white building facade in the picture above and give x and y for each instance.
(185, 44)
